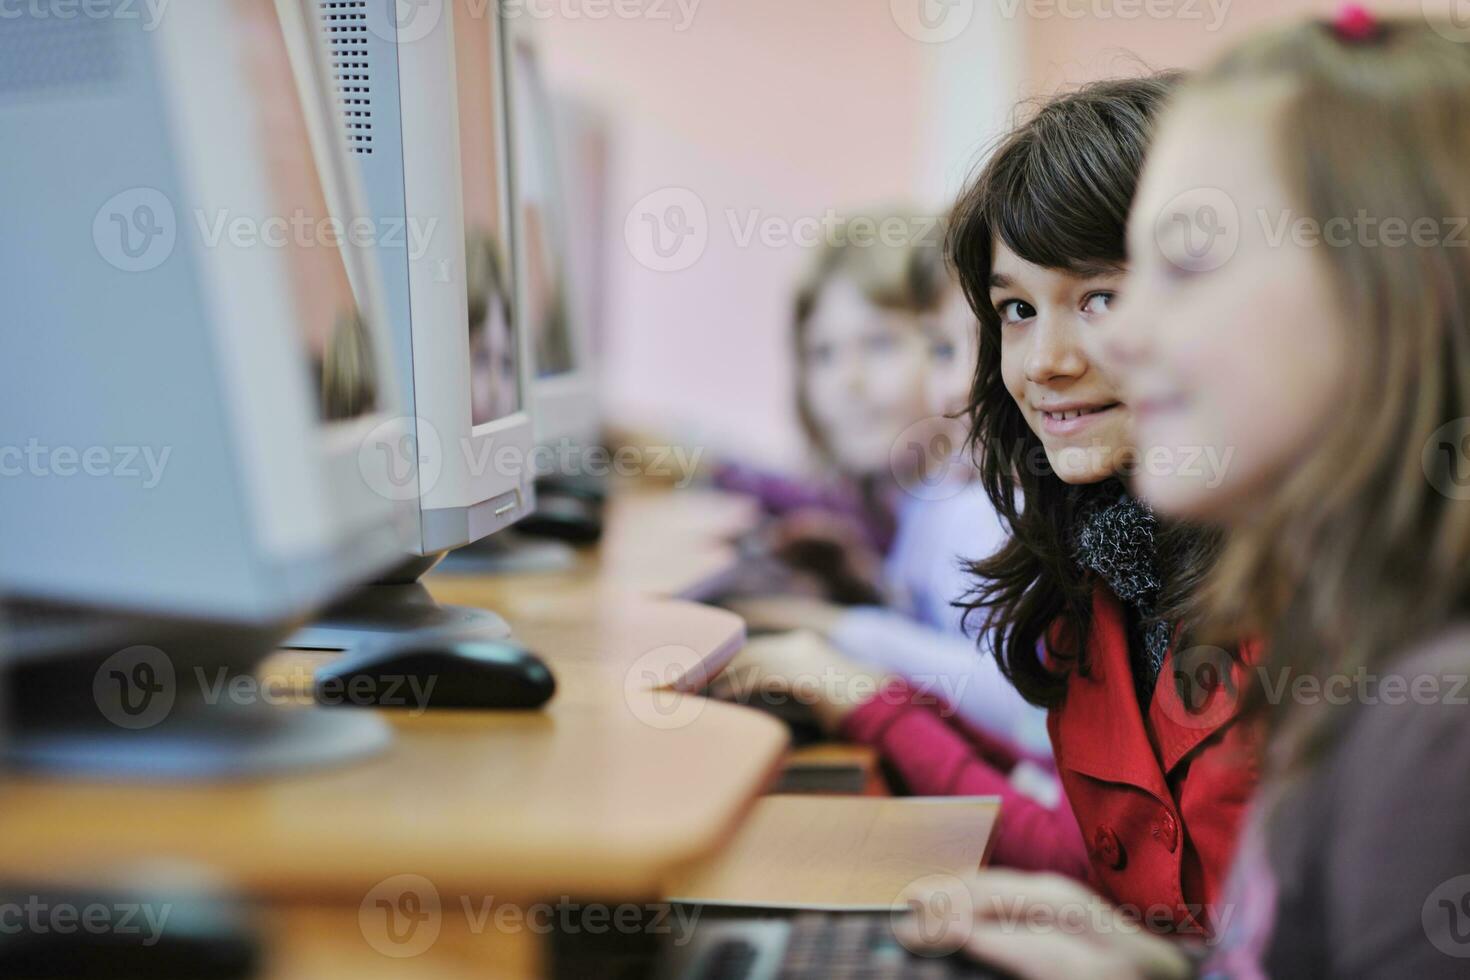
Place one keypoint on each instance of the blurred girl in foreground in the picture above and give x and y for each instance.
(1335, 361)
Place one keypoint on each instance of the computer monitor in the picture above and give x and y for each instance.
(422, 99)
(547, 290)
(175, 494)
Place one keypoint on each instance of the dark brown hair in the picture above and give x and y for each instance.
(1056, 191)
(1362, 549)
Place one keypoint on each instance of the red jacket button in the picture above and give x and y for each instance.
(1108, 848)
(1170, 831)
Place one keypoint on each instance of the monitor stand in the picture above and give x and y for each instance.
(510, 553)
(396, 609)
(133, 699)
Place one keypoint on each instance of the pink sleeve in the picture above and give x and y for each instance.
(934, 759)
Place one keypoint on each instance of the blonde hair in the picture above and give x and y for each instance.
(1357, 555)
(904, 274)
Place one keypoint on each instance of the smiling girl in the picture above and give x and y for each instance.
(1090, 603)
(1087, 605)
(1339, 372)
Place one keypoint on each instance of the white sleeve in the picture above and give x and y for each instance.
(947, 665)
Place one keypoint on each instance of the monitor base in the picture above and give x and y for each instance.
(142, 700)
(395, 614)
(510, 553)
(217, 744)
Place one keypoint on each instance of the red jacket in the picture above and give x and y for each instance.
(1159, 801)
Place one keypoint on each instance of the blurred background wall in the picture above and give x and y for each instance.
(724, 115)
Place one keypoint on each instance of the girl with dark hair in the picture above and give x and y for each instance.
(1088, 606)
(1091, 604)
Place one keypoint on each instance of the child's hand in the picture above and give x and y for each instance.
(803, 667)
(834, 549)
(1038, 927)
(782, 613)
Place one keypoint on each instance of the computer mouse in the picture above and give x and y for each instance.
(429, 674)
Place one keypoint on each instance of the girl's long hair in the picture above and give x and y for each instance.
(1364, 547)
(1056, 191)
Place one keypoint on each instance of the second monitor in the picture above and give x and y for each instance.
(423, 102)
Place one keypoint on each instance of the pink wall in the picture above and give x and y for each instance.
(1064, 50)
(761, 106)
(787, 108)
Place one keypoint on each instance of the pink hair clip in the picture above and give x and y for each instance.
(1355, 24)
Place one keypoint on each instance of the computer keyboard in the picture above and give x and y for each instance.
(819, 945)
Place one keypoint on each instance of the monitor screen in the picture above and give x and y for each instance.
(494, 368)
(320, 292)
(545, 303)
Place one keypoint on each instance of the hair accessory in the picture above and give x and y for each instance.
(1355, 24)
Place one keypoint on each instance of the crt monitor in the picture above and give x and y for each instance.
(175, 491)
(421, 98)
(548, 296)
(420, 92)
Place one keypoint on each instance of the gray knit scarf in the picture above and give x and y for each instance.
(1114, 537)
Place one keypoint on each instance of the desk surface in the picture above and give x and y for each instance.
(607, 792)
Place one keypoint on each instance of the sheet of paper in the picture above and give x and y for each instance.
(841, 853)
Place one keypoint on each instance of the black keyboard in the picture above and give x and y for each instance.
(819, 945)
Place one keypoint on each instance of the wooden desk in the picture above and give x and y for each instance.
(607, 793)
(641, 546)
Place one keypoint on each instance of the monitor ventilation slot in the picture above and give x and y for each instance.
(345, 24)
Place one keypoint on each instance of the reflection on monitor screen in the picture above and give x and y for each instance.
(336, 337)
(494, 371)
(545, 302)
